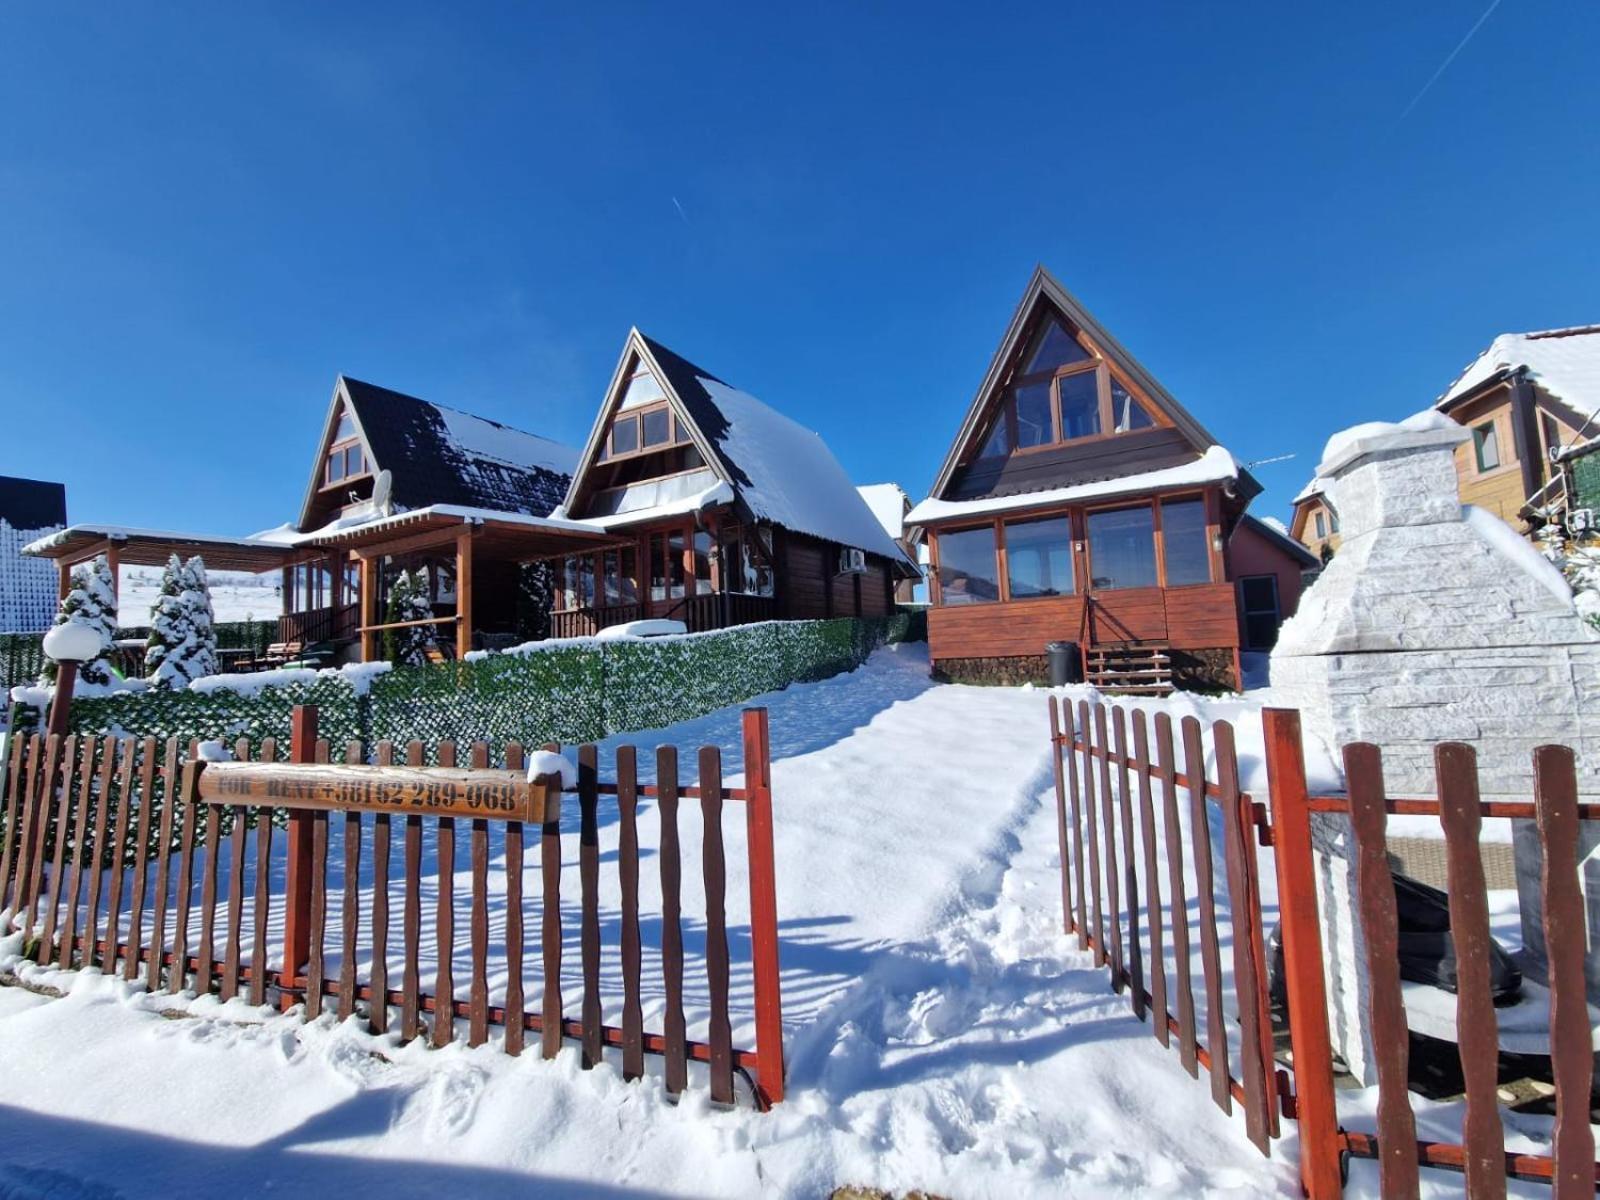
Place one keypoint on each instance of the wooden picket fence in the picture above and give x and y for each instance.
(87, 820)
(1093, 749)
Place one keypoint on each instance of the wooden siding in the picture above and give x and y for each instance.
(1500, 489)
(1204, 616)
(803, 583)
(844, 595)
(875, 591)
(1065, 466)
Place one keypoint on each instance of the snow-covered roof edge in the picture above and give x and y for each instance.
(1564, 362)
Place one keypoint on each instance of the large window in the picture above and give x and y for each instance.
(1039, 558)
(1185, 546)
(1486, 444)
(1258, 600)
(1122, 547)
(746, 561)
(968, 567)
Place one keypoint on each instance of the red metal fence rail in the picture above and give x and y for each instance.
(87, 820)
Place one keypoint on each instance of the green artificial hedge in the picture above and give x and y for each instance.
(559, 691)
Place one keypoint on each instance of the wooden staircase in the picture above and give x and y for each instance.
(1142, 668)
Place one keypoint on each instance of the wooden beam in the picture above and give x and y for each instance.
(426, 540)
(114, 562)
(64, 579)
(464, 592)
(369, 609)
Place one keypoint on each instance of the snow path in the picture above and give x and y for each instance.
(942, 1034)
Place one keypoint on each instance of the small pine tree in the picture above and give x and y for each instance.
(202, 616)
(183, 640)
(535, 592)
(408, 601)
(91, 601)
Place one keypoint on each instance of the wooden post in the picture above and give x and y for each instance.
(297, 888)
(763, 905)
(63, 579)
(369, 608)
(1302, 956)
(114, 563)
(61, 702)
(463, 593)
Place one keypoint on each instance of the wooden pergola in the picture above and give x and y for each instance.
(152, 547)
(504, 537)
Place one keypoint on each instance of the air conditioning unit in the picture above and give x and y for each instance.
(852, 561)
(1581, 520)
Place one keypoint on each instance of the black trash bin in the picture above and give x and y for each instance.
(1066, 663)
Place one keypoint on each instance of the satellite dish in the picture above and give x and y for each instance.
(382, 492)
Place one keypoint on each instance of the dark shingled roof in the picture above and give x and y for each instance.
(32, 503)
(438, 455)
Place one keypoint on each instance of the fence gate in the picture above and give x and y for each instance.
(1131, 862)
(126, 855)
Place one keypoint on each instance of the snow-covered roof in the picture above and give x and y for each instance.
(1272, 530)
(1564, 362)
(888, 502)
(1216, 465)
(778, 469)
(1315, 487)
(439, 455)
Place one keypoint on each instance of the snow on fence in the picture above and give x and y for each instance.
(1101, 903)
(127, 855)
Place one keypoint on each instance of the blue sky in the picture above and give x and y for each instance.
(207, 213)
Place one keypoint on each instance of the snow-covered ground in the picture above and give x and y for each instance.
(942, 1033)
(235, 595)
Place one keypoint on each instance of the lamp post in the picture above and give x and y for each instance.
(69, 645)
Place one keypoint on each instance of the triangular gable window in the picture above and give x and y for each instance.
(1052, 348)
(345, 458)
(1127, 414)
(643, 388)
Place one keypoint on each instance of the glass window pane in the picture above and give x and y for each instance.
(1052, 347)
(1183, 536)
(1259, 593)
(346, 428)
(675, 564)
(658, 567)
(642, 389)
(1080, 405)
(656, 427)
(625, 435)
(968, 570)
(1488, 445)
(1127, 412)
(680, 433)
(702, 563)
(1122, 548)
(1039, 557)
(613, 588)
(998, 443)
(586, 580)
(569, 583)
(1033, 415)
(629, 593)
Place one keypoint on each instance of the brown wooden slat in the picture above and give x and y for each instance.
(411, 917)
(516, 996)
(81, 848)
(189, 811)
(259, 968)
(378, 1009)
(1244, 900)
(1075, 814)
(206, 955)
(28, 818)
(1478, 1039)
(674, 1030)
(1194, 765)
(1571, 1055)
(550, 921)
(1130, 867)
(231, 946)
(478, 996)
(1063, 838)
(1108, 833)
(158, 903)
(117, 856)
(141, 858)
(720, 1034)
(628, 875)
(589, 888)
(20, 750)
(350, 898)
(515, 760)
(1092, 834)
(1391, 1043)
(42, 809)
(316, 973)
(62, 820)
(1167, 772)
(1152, 879)
(444, 988)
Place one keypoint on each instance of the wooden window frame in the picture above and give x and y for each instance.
(1069, 515)
(342, 449)
(673, 441)
(1492, 425)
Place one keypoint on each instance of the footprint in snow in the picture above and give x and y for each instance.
(445, 1107)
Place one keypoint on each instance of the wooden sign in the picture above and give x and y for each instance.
(431, 791)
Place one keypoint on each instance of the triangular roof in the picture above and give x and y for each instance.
(1564, 363)
(1044, 289)
(439, 455)
(776, 469)
(1275, 533)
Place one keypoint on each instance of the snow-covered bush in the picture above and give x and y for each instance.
(408, 601)
(91, 601)
(183, 642)
(1580, 565)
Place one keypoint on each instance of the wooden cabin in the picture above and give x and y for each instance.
(1080, 502)
(726, 511)
(1314, 523)
(1270, 570)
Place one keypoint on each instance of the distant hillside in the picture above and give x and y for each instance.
(235, 595)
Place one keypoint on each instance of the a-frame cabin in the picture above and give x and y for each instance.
(732, 512)
(1081, 503)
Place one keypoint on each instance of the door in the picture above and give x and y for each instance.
(1260, 610)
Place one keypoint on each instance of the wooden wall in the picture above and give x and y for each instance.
(1501, 490)
(1064, 466)
(809, 587)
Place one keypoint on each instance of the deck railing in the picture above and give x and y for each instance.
(321, 624)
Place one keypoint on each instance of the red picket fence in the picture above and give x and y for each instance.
(150, 829)
(1106, 918)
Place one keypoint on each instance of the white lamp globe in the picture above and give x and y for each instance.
(72, 642)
